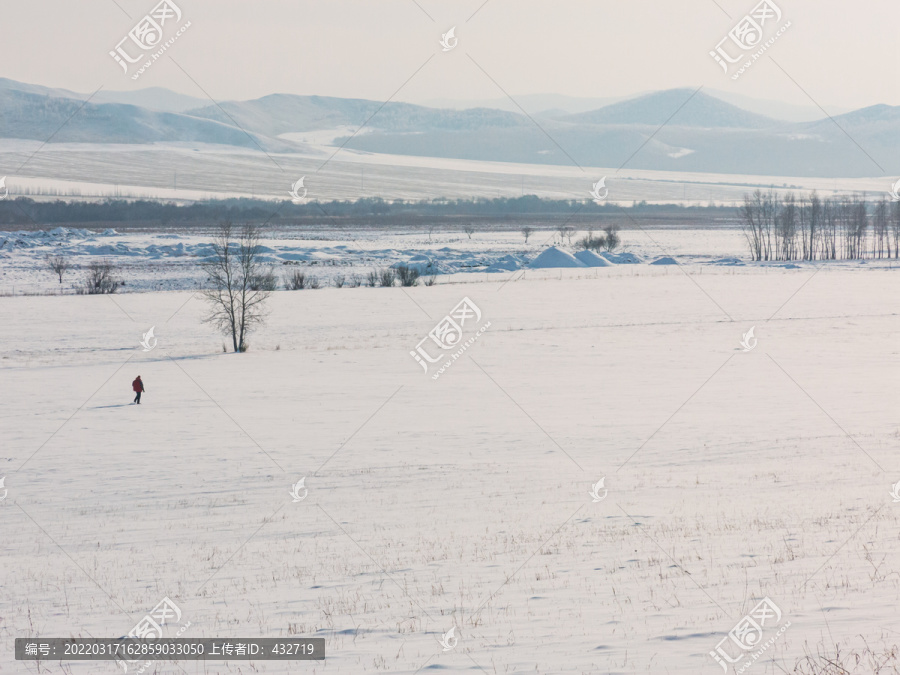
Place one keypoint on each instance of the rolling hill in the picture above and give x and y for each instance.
(673, 130)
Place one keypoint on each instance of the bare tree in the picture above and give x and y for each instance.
(469, 230)
(895, 227)
(527, 232)
(234, 269)
(881, 237)
(58, 265)
(612, 239)
(786, 228)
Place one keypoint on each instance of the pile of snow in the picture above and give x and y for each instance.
(555, 257)
(665, 260)
(423, 264)
(591, 259)
(727, 261)
(508, 263)
(622, 258)
(39, 238)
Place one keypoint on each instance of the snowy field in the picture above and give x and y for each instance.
(169, 260)
(184, 171)
(464, 501)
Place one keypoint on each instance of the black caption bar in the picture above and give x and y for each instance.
(170, 649)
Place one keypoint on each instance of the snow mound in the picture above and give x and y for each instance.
(727, 261)
(554, 257)
(622, 258)
(591, 259)
(422, 264)
(508, 263)
(665, 260)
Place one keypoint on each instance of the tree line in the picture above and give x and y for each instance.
(807, 227)
(26, 211)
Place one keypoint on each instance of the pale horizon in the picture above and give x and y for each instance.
(392, 51)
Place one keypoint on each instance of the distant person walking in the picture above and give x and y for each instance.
(138, 387)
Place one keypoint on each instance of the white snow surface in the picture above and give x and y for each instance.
(462, 501)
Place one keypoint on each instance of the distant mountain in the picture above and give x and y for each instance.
(38, 90)
(876, 115)
(789, 112)
(672, 130)
(693, 110)
(531, 103)
(68, 120)
(286, 113)
(152, 98)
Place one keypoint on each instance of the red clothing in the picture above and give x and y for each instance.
(137, 385)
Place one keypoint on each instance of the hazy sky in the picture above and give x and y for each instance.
(842, 54)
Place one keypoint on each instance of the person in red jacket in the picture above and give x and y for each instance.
(138, 387)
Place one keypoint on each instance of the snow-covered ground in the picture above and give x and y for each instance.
(184, 171)
(169, 260)
(465, 500)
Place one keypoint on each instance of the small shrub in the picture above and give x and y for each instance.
(592, 242)
(264, 281)
(354, 281)
(372, 279)
(409, 276)
(298, 280)
(387, 277)
(100, 279)
(339, 280)
(431, 281)
(612, 237)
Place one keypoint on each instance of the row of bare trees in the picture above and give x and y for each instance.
(811, 228)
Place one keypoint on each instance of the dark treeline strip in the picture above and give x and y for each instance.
(26, 212)
(807, 227)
